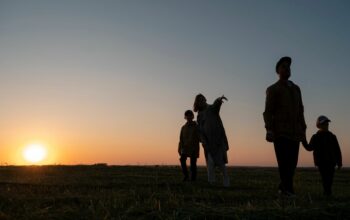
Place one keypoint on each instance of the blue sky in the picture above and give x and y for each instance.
(98, 73)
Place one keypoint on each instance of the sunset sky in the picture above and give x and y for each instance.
(109, 81)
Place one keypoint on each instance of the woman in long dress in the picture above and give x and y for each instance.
(212, 136)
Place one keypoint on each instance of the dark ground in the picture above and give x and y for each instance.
(157, 192)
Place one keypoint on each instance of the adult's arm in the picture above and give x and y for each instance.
(301, 110)
(181, 142)
(338, 152)
(312, 145)
(268, 114)
(217, 104)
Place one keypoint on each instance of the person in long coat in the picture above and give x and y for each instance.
(213, 136)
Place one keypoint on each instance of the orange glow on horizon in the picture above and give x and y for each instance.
(31, 153)
(34, 153)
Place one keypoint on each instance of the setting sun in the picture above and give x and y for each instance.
(34, 153)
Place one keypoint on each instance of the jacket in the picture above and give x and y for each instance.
(326, 149)
(189, 140)
(284, 111)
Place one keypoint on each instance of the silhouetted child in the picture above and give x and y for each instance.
(189, 146)
(327, 153)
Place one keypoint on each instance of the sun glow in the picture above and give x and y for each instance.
(34, 153)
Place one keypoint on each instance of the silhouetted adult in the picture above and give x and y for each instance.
(285, 123)
(213, 136)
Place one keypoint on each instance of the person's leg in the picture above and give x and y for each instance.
(225, 176)
(183, 159)
(205, 154)
(281, 155)
(331, 177)
(287, 152)
(293, 152)
(193, 168)
(206, 160)
(327, 174)
(323, 174)
(210, 169)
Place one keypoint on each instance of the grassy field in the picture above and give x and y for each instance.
(157, 192)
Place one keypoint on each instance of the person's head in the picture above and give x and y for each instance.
(189, 115)
(283, 68)
(322, 123)
(200, 103)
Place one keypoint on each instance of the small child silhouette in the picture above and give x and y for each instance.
(327, 154)
(189, 146)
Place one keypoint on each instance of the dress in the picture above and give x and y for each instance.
(212, 133)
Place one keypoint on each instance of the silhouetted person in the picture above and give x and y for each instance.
(212, 136)
(285, 123)
(327, 153)
(189, 146)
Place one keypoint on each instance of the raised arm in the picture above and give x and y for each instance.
(218, 102)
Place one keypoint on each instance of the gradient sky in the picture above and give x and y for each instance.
(109, 81)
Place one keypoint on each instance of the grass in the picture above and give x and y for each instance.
(157, 192)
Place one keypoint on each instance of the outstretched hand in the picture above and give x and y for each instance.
(223, 98)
